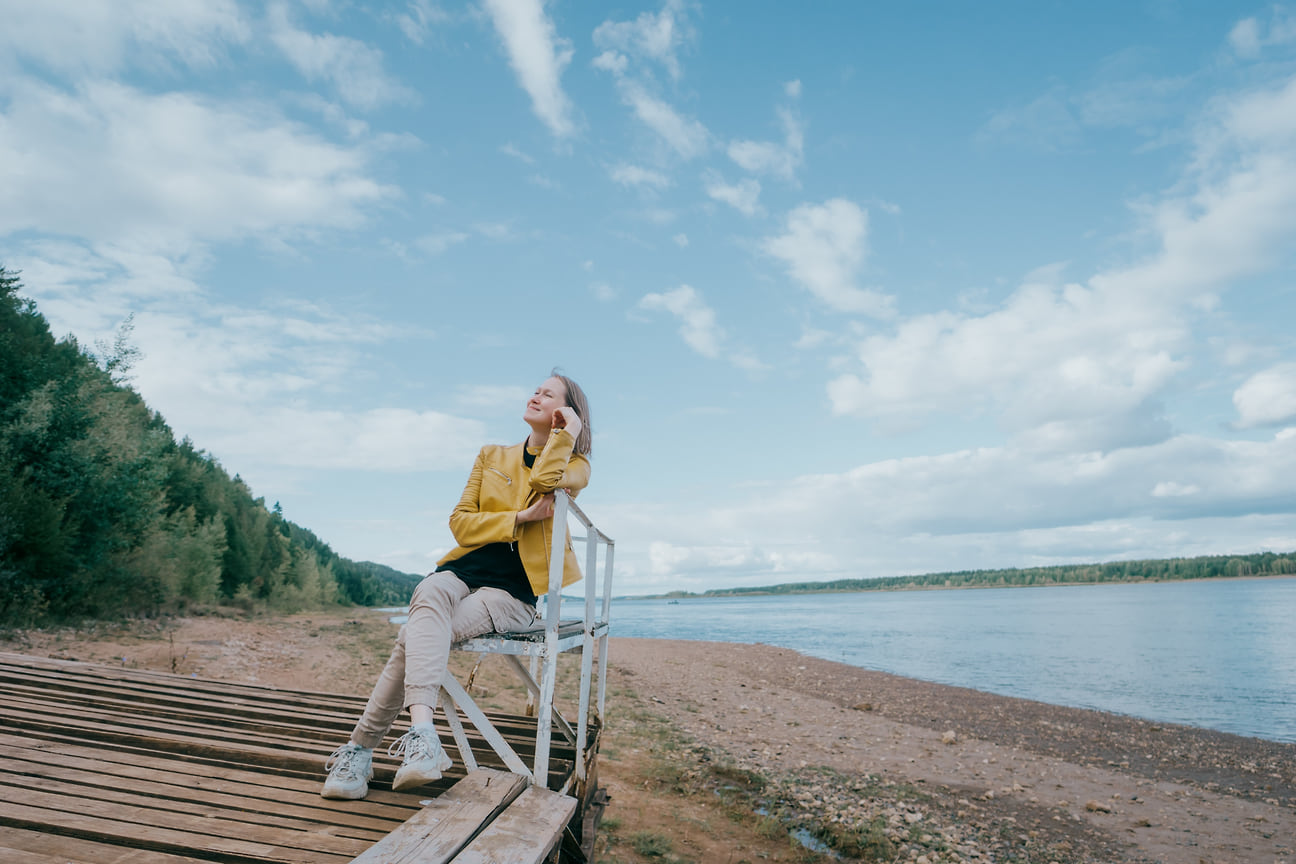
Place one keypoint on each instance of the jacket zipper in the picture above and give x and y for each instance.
(507, 478)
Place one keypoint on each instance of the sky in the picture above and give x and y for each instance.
(854, 289)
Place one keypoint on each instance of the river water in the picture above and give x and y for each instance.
(1214, 654)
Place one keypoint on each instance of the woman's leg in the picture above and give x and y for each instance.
(411, 678)
(386, 700)
(418, 657)
(350, 767)
(429, 633)
(442, 611)
(443, 619)
(491, 609)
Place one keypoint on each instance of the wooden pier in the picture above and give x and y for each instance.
(107, 765)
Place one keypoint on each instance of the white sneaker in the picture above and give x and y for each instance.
(424, 759)
(350, 769)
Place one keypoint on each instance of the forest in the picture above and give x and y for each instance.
(1151, 570)
(103, 514)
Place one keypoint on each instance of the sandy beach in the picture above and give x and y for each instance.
(713, 750)
(1110, 788)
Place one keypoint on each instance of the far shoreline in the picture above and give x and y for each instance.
(770, 592)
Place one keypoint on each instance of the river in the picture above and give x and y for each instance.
(1217, 654)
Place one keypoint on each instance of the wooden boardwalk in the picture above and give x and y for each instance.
(106, 765)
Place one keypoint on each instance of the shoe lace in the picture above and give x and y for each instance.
(343, 761)
(412, 745)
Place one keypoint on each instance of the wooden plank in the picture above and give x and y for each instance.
(213, 792)
(159, 798)
(73, 676)
(165, 839)
(22, 856)
(525, 833)
(165, 686)
(189, 741)
(256, 720)
(16, 843)
(437, 833)
(380, 808)
(41, 809)
(248, 783)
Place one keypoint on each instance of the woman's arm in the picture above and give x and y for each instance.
(472, 526)
(556, 466)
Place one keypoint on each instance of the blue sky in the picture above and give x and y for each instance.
(854, 289)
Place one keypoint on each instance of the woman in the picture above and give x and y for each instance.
(490, 581)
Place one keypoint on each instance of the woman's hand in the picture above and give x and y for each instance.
(567, 418)
(542, 509)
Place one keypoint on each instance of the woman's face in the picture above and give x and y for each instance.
(540, 407)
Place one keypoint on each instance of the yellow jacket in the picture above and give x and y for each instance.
(500, 485)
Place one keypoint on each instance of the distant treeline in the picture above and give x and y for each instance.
(1156, 570)
(104, 514)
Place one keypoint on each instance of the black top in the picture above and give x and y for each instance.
(496, 565)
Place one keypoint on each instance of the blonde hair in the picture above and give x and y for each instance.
(577, 401)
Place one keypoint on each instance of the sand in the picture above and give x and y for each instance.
(1127, 788)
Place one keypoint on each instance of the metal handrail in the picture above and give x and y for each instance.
(564, 506)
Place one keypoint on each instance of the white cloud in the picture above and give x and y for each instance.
(627, 50)
(764, 157)
(611, 61)
(1250, 36)
(512, 150)
(698, 325)
(743, 196)
(435, 244)
(1016, 488)
(1245, 38)
(781, 159)
(1267, 397)
(1083, 365)
(1249, 126)
(687, 137)
(102, 36)
(538, 57)
(256, 386)
(657, 37)
(681, 240)
(823, 248)
(110, 162)
(1048, 123)
(634, 175)
(494, 230)
(1170, 489)
(1048, 354)
(1133, 103)
(417, 22)
(494, 396)
(352, 67)
(987, 507)
(388, 439)
(812, 338)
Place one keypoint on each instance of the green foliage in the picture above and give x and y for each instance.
(866, 842)
(650, 844)
(106, 515)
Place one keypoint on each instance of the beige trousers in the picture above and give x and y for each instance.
(442, 611)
